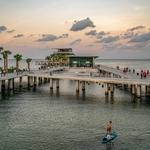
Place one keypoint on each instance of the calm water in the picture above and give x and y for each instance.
(40, 120)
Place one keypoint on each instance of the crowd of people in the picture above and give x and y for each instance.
(143, 73)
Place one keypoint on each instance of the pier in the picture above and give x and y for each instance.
(109, 78)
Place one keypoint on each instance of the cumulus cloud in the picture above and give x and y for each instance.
(51, 37)
(141, 38)
(75, 42)
(136, 28)
(82, 24)
(110, 39)
(18, 36)
(2, 28)
(10, 31)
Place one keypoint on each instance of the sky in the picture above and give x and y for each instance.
(106, 28)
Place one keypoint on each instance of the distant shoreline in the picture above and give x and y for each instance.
(124, 59)
(148, 59)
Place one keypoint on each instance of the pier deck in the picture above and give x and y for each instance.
(101, 74)
(75, 76)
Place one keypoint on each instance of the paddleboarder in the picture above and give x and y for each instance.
(109, 127)
(110, 136)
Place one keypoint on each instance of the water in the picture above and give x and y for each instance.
(22, 63)
(132, 64)
(40, 120)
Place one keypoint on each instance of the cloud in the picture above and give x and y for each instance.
(128, 34)
(82, 24)
(136, 28)
(141, 38)
(32, 35)
(90, 45)
(75, 42)
(101, 34)
(47, 37)
(91, 33)
(64, 36)
(110, 39)
(11, 31)
(2, 28)
(18, 36)
(98, 35)
(51, 37)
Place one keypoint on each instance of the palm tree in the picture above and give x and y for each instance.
(65, 59)
(18, 57)
(5, 54)
(28, 61)
(1, 48)
(48, 58)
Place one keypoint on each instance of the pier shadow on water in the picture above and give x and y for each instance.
(109, 99)
(110, 146)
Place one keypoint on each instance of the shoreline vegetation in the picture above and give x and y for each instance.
(52, 60)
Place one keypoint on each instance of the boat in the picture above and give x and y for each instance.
(109, 138)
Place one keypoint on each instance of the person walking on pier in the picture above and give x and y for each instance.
(141, 75)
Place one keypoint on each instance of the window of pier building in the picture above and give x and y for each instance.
(81, 61)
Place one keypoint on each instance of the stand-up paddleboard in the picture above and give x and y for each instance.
(109, 138)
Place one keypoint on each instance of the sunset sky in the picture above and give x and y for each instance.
(107, 28)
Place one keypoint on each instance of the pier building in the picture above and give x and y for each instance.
(81, 61)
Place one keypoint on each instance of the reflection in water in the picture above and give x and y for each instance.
(110, 146)
(109, 99)
(51, 92)
(106, 99)
(83, 95)
(77, 95)
(112, 99)
(72, 121)
(57, 92)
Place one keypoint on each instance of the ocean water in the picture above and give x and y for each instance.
(62, 120)
(22, 63)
